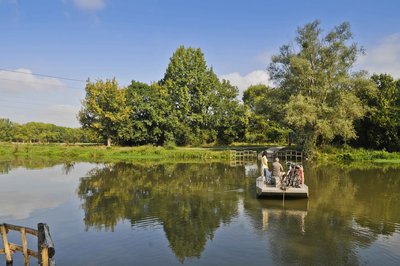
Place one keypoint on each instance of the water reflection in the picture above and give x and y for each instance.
(348, 209)
(291, 212)
(24, 191)
(7, 164)
(190, 201)
(207, 213)
(369, 196)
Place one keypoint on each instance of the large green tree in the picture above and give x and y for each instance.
(148, 122)
(266, 118)
(315, 77)
(227, 116)
(7, 129)
(380, 128)
(189, 84)
(105, 110)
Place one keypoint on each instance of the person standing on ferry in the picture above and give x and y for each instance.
(265, 173)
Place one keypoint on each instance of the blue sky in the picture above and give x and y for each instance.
(82, 39)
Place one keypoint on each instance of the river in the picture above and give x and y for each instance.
(202, 214)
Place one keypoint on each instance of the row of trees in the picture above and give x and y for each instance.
(189, 106)
(320, 98)
(317, 99)
(34, 132)
(378, 128)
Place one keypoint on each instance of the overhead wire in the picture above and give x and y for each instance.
(29, 106)
(41, 82)
(41, 75)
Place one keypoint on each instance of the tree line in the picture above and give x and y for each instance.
(323, 100)
(317, 99)
(36, 132)
(189, 106)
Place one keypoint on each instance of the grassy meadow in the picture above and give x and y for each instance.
(96, 153)
(102, 153)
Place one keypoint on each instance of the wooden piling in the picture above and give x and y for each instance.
(24, 246)
(45, 251)
(6, 245)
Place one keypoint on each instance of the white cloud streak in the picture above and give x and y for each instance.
(50, 189)
(25, 97)
(19, 82)
(383, 58)
(61, 114)
(243, 82)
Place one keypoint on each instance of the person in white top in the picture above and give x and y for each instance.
(264, 167)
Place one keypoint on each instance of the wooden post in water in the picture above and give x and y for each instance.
(7, 251)
(24, 246)
(46, 249)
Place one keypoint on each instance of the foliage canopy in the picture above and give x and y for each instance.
(316, 79)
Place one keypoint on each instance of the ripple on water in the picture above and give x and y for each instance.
(390, 247)
(382, 249)
(147, 223)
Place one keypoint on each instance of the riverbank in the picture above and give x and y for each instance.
(102, 153)
(352, 155)
(95, 153)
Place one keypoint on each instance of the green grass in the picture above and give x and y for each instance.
(101, 153)
(326, 154)
(347, 154)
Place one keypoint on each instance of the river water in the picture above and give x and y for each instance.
(202, 214)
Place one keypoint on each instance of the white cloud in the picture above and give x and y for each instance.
(383, 58)
(19, 208)
(91, 5)
(26, 81)
(49, 190)
(25, 97)
(61, 114)
(243, 82)
(58, 114)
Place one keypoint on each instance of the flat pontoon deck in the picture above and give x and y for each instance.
(264, 190)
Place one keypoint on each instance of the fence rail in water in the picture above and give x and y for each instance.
(289, 155)
(240, 157)
(45, 252)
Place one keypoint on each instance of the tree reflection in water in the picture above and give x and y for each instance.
(348, 209)
(189, 200)
(348, 212)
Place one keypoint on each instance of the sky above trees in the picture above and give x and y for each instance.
(98, 39)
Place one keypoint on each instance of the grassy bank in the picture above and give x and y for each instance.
(327, 154)
(101, 153)
(347, 155)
